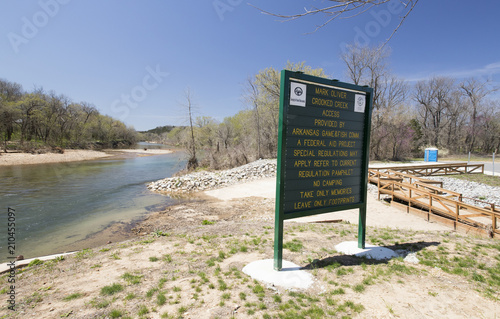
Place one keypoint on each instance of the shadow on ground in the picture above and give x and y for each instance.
(350, 260)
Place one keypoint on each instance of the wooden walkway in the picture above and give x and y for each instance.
(424, 195)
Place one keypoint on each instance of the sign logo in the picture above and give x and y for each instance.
(298, 94)
(359, 103)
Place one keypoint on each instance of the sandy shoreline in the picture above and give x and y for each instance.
(10, 159)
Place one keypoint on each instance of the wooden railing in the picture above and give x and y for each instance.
(443, 202)
(435, 169)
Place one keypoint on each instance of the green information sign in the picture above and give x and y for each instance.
(323, 150)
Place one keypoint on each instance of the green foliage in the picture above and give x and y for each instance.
(43, 121)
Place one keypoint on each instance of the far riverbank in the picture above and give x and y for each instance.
(9, 159)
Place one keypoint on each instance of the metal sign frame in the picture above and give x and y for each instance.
(291, 98)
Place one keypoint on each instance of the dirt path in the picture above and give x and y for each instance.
(378, 213)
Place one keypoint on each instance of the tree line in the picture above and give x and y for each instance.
(456, 116)
(39, 119)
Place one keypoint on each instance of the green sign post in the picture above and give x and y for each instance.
(323, 150)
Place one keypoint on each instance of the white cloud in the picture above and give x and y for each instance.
(494, 66)
(488, 71)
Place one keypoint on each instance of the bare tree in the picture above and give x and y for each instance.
(475, 90)
(369, 66)
(252, 98)
(434, 98)
(345, 9)
(192, 161)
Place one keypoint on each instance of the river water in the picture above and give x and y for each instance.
(57, 205)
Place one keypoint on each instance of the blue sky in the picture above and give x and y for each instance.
(134, 59)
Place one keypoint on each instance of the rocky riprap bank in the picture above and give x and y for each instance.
(204, 180)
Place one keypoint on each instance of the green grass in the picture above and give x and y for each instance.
(143, 310)
(115, 256)
(100, 303)
(35, 262)
(295, 245)
(464, 263)
(75, 295)
(338, 291)
(222, 285)
(83, 254)
(258, 289)
(115, 313)
(132, 279)
(161, 299)
(111, 290)
(344, 271)
(344, 278)
(167, 258)
(151, 292)
(130, 296)
(359, 288)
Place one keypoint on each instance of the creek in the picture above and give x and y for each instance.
(58, 205)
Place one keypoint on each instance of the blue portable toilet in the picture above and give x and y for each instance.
(431, 154)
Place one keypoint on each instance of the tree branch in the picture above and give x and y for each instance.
(344, 9)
